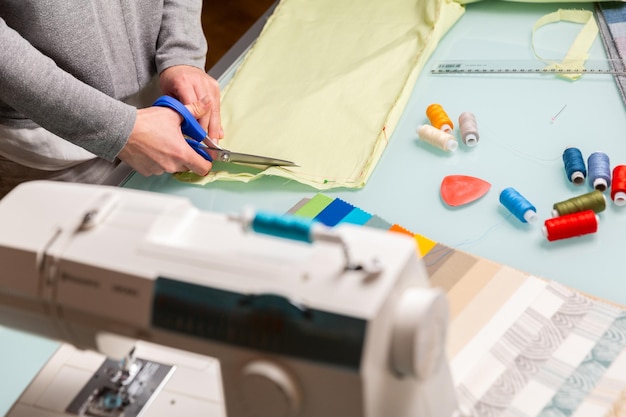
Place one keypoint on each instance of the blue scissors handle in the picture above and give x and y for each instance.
(200, 149)
(189, 126)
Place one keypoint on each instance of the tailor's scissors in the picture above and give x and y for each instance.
(195, 136)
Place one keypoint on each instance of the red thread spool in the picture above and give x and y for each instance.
(439, 118)
(571, 225)
(618, 185)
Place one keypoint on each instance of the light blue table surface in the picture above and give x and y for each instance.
(519, 147)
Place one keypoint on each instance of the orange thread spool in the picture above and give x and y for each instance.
(571, 225)
(439, 118)
(618, 185)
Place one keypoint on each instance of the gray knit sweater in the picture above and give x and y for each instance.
(65, 65)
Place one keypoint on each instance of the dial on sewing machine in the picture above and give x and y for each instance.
(314, 322)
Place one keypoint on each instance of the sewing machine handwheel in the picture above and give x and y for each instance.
(269, 390)
(419, 332)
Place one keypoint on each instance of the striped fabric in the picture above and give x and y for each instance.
(611, 17)
(519, 346)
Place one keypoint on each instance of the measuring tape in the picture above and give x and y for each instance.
(530, 66)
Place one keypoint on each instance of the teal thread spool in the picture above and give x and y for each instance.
(594, 200)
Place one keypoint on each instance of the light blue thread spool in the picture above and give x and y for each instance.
(599, 171)
(574, 165)
(518, 205)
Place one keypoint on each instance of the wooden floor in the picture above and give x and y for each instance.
(225, 21)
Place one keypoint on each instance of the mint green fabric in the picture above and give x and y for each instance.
(325, 85)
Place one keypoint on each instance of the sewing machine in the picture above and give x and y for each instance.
(169, 310)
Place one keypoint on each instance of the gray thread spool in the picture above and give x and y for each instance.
(469, 128)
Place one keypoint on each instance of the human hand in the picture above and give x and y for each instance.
(189, 84)
(157, 145)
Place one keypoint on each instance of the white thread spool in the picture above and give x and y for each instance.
(469, 128)
(438, 138)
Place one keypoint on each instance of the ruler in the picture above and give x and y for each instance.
(529, 66)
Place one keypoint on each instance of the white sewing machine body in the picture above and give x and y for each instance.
(298, 329)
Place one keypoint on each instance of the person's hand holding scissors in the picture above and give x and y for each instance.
(156, 144)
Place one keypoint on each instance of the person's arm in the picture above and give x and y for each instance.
(180, 58)
(149, 140)
(181, 39)
(35, 86)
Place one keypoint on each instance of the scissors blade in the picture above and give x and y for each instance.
(224, 155)
(220, 154)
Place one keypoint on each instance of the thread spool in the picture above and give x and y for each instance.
(285, 226)
(518, 205)
(437, 138)
(618, 186)
(439, 118)
(571, 225)
(599, 170)
(574, 166)
(594, 200)
(469, 128)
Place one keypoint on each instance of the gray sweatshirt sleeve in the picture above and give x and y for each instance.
(67, 66)
(181, 39)
(33, 85)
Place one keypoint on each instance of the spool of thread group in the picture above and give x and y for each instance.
(574, 166)
(618, 185)
(594, 200)
(571, 225)
(599, 171)
(518, 205)
(437, 138)
(469, 128)
(439, 118)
